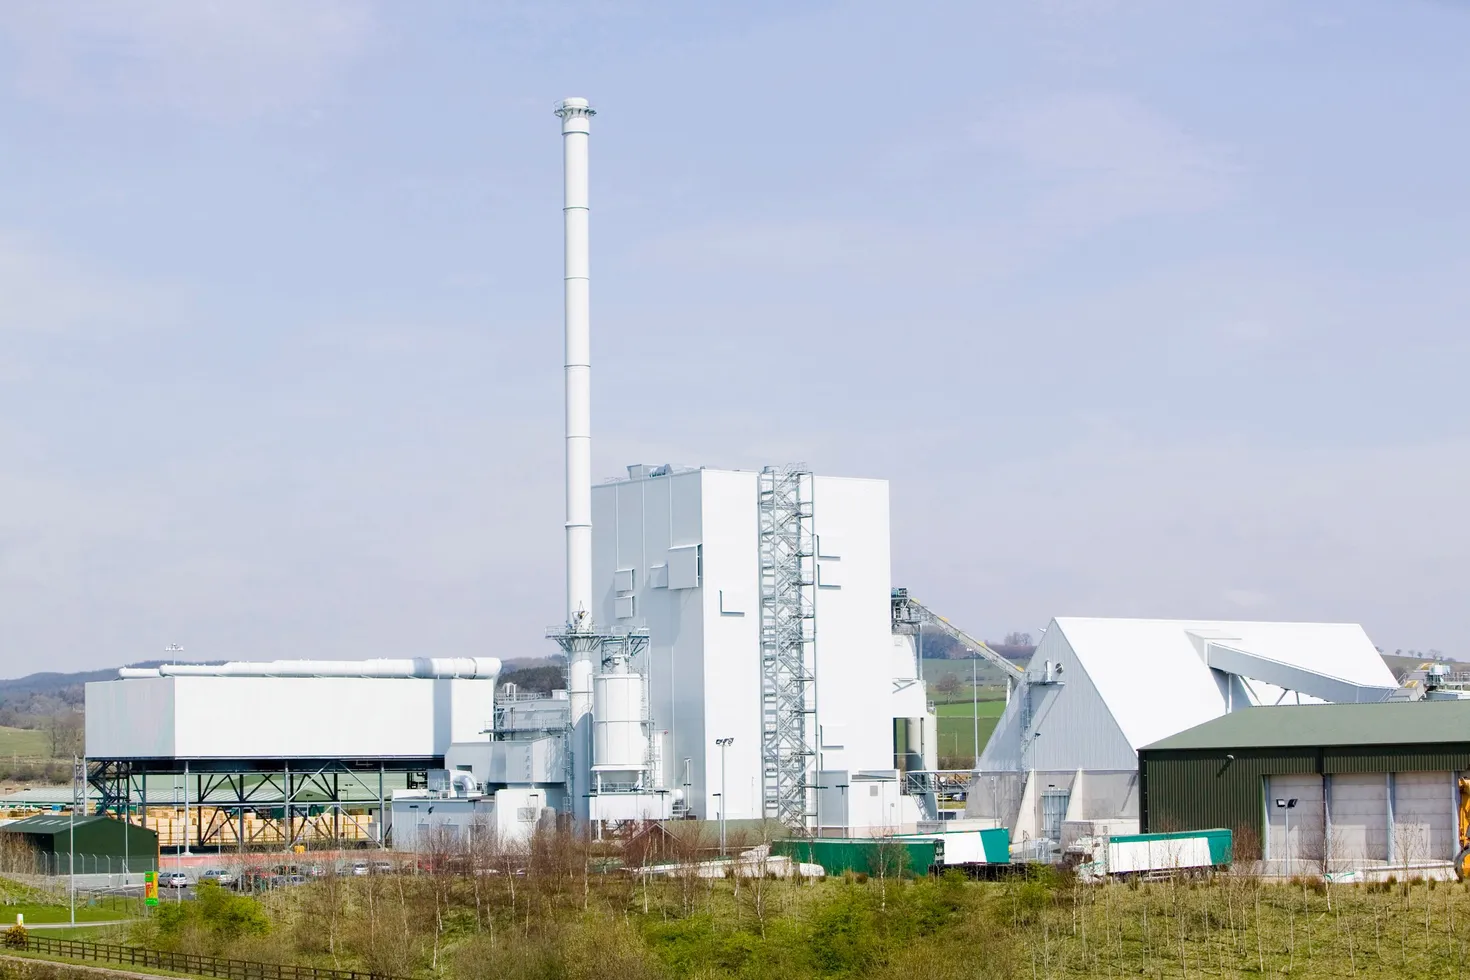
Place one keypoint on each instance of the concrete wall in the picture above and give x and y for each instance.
(1344, 821)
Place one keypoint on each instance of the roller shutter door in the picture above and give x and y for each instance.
(1423, 817)
(1358, 806)
(1305, 840)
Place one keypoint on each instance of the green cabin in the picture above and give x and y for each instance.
(103, 845)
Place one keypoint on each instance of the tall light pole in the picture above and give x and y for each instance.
(975, 703)
(723, 743)
(415, 808)
(1286, 806)
(78, 799)
(173, 650)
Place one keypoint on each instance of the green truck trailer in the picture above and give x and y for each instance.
(873, 856)
(912, 854)
(971, 848)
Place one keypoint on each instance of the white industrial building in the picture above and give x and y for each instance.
(307, 709)
(1063, 759)
(677, 554)
(731, 653)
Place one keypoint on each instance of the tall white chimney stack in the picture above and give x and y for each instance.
(576, 118)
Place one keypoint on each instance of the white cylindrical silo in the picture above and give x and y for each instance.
(619, 741)
(576, 118)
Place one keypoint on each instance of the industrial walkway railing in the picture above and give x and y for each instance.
(190, 963)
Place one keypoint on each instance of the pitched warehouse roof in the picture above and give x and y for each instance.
(1152, 674)
(48, 823)
(1291, 726)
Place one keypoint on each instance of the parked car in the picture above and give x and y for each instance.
(173, 879)
(361, 868)
(296, 879)
(382, 867)
(221, 878)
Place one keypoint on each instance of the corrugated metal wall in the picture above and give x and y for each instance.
(1077, 728)
(1195, 789)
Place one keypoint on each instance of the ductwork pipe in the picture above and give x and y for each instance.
(126, 672)
(462, 668)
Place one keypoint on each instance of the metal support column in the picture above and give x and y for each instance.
(286, 810)
(187, 835)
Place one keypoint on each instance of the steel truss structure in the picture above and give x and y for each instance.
(788, 582)
(910, 616)
(582, 640)
(291, 801)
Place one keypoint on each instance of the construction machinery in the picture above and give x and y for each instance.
(1462, 856)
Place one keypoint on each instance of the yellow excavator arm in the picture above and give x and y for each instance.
(1462, 857)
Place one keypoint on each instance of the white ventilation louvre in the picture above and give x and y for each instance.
(684, 567)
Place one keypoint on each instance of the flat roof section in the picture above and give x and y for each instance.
(1281, 726)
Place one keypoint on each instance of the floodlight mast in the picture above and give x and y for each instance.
(1286, 806)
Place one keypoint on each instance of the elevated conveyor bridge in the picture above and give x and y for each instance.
(910, 616)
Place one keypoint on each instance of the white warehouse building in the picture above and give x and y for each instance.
(678, 553)
(1063, 759)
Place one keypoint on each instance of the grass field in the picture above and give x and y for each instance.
(24, 743)
(557, 921)
(39, 914)
(957, 729)
(936, 670)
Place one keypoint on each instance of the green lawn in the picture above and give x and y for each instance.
(961, 709)
(957, 730)
(25, 743)
(37, 914)
(987, 674)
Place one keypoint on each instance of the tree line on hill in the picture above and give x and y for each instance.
(941, 646)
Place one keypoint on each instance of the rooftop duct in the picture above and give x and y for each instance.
(463, 668)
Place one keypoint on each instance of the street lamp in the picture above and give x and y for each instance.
(723, 743)
(975, 705)
(415, 808)
(1286, 806)
(78, 799)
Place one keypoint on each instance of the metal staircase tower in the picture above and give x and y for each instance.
(788, 581)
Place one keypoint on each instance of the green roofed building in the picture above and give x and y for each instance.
(1335, 787)
(103, 845)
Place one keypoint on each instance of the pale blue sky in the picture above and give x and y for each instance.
(1143, 308)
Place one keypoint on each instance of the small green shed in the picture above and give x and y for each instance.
(103, 845)
(1340, 785)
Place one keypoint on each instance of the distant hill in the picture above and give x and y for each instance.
(1401, 665)
(47, 692)
(942, 646)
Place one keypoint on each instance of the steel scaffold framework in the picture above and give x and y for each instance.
(788, 557)
(290, 805)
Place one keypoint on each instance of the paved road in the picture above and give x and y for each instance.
(79, 925)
